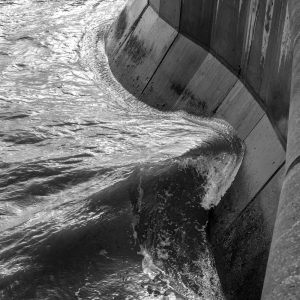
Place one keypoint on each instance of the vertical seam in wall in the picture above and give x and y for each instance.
(134, 25)
(163, 58)
(280, 137)
(262, 188)
(168, 21)
(256, 123)
(180, 16)
(255, 196)
(263, 115)
(243, 80)
(225, 96)
(254, 29)
(214, 18)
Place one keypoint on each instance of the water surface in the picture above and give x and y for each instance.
(76, 153)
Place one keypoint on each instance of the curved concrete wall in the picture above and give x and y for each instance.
(250, 38)
(231, 59)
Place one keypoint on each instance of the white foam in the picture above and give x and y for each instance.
(220, 172)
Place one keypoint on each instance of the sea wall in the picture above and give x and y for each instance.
(231, 59)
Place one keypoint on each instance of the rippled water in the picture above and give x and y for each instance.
(73, 146)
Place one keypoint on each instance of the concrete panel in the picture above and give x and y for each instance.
(142, 52)
(174, 73)
(264, 155)
(155, 4)
(196, 20)
(123, 26)
(241, 110)
(170, 12)
(228, 34)
(242, 250)
(208, 87)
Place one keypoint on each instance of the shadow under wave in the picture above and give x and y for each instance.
(159, 210)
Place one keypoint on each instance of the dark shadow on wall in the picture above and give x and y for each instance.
(241, 250)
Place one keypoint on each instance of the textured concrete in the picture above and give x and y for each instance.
(283, 272)
(140, 57)
(196, 20)
(207, 88)
(168, 82)
(123, 26)
(241, 110)
(170, 12)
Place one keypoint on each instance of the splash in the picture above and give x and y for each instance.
(171, 206)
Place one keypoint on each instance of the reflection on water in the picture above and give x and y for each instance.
(67, 132)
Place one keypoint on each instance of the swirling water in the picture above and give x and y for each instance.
(81, 159)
